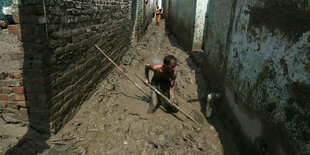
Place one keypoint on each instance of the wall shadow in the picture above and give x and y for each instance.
(35, 83)
(173, 41)
(194, 62)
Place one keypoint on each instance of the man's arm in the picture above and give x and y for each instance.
(153, 67)
(146, 73)
(172, 87)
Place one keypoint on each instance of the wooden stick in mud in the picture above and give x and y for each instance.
(166, 98)
(147, 84)
(123, 72)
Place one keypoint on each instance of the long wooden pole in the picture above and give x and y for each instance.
(147, 94)
(166, 98)
(147, 84)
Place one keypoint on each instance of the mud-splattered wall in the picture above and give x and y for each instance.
(260, 50)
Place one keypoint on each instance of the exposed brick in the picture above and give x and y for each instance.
(12, 105)
(3, 105)
(15, 75)
(15, 29)
(24, 104)
(6, 90)
(14, 83)
(3, 83)
(73, 30)
(18, 90)
(18, 97)
(4, 97)
(23, 111)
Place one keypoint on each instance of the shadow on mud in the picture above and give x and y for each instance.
(194, 62)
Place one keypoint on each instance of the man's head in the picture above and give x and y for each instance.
(170, 62)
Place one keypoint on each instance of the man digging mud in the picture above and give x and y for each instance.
(164, 80)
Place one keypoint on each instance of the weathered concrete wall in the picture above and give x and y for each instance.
(181, 20)
(260, 51)
(201, 9)
(186, 20)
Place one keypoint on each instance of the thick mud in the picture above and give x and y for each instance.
(115, 119)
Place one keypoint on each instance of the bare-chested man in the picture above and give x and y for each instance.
(164, 80)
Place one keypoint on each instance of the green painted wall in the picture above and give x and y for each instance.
(259, 51)
(4, 3)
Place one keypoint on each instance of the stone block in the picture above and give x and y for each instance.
(12, 105)
(24, 104)
(4, 97)
(18, 90)
(23, 111)
(6, 90)
(18, 97)
(3, 104)
(15, 75)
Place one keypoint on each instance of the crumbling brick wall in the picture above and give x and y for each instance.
(56, 65)
(11, 81)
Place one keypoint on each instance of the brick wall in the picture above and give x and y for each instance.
(11, 84)
(77, 67)
(143, 17)
(54, 64)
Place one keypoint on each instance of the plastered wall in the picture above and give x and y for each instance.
(260, 51)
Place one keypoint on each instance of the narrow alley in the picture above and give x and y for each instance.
(242, 77)
(115, 118)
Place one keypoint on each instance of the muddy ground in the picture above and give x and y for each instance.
(115, 120)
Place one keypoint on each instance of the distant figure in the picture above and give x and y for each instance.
(157, 16)
(164, 80)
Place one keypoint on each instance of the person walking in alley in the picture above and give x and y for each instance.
(164, 80)
(157, 16)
